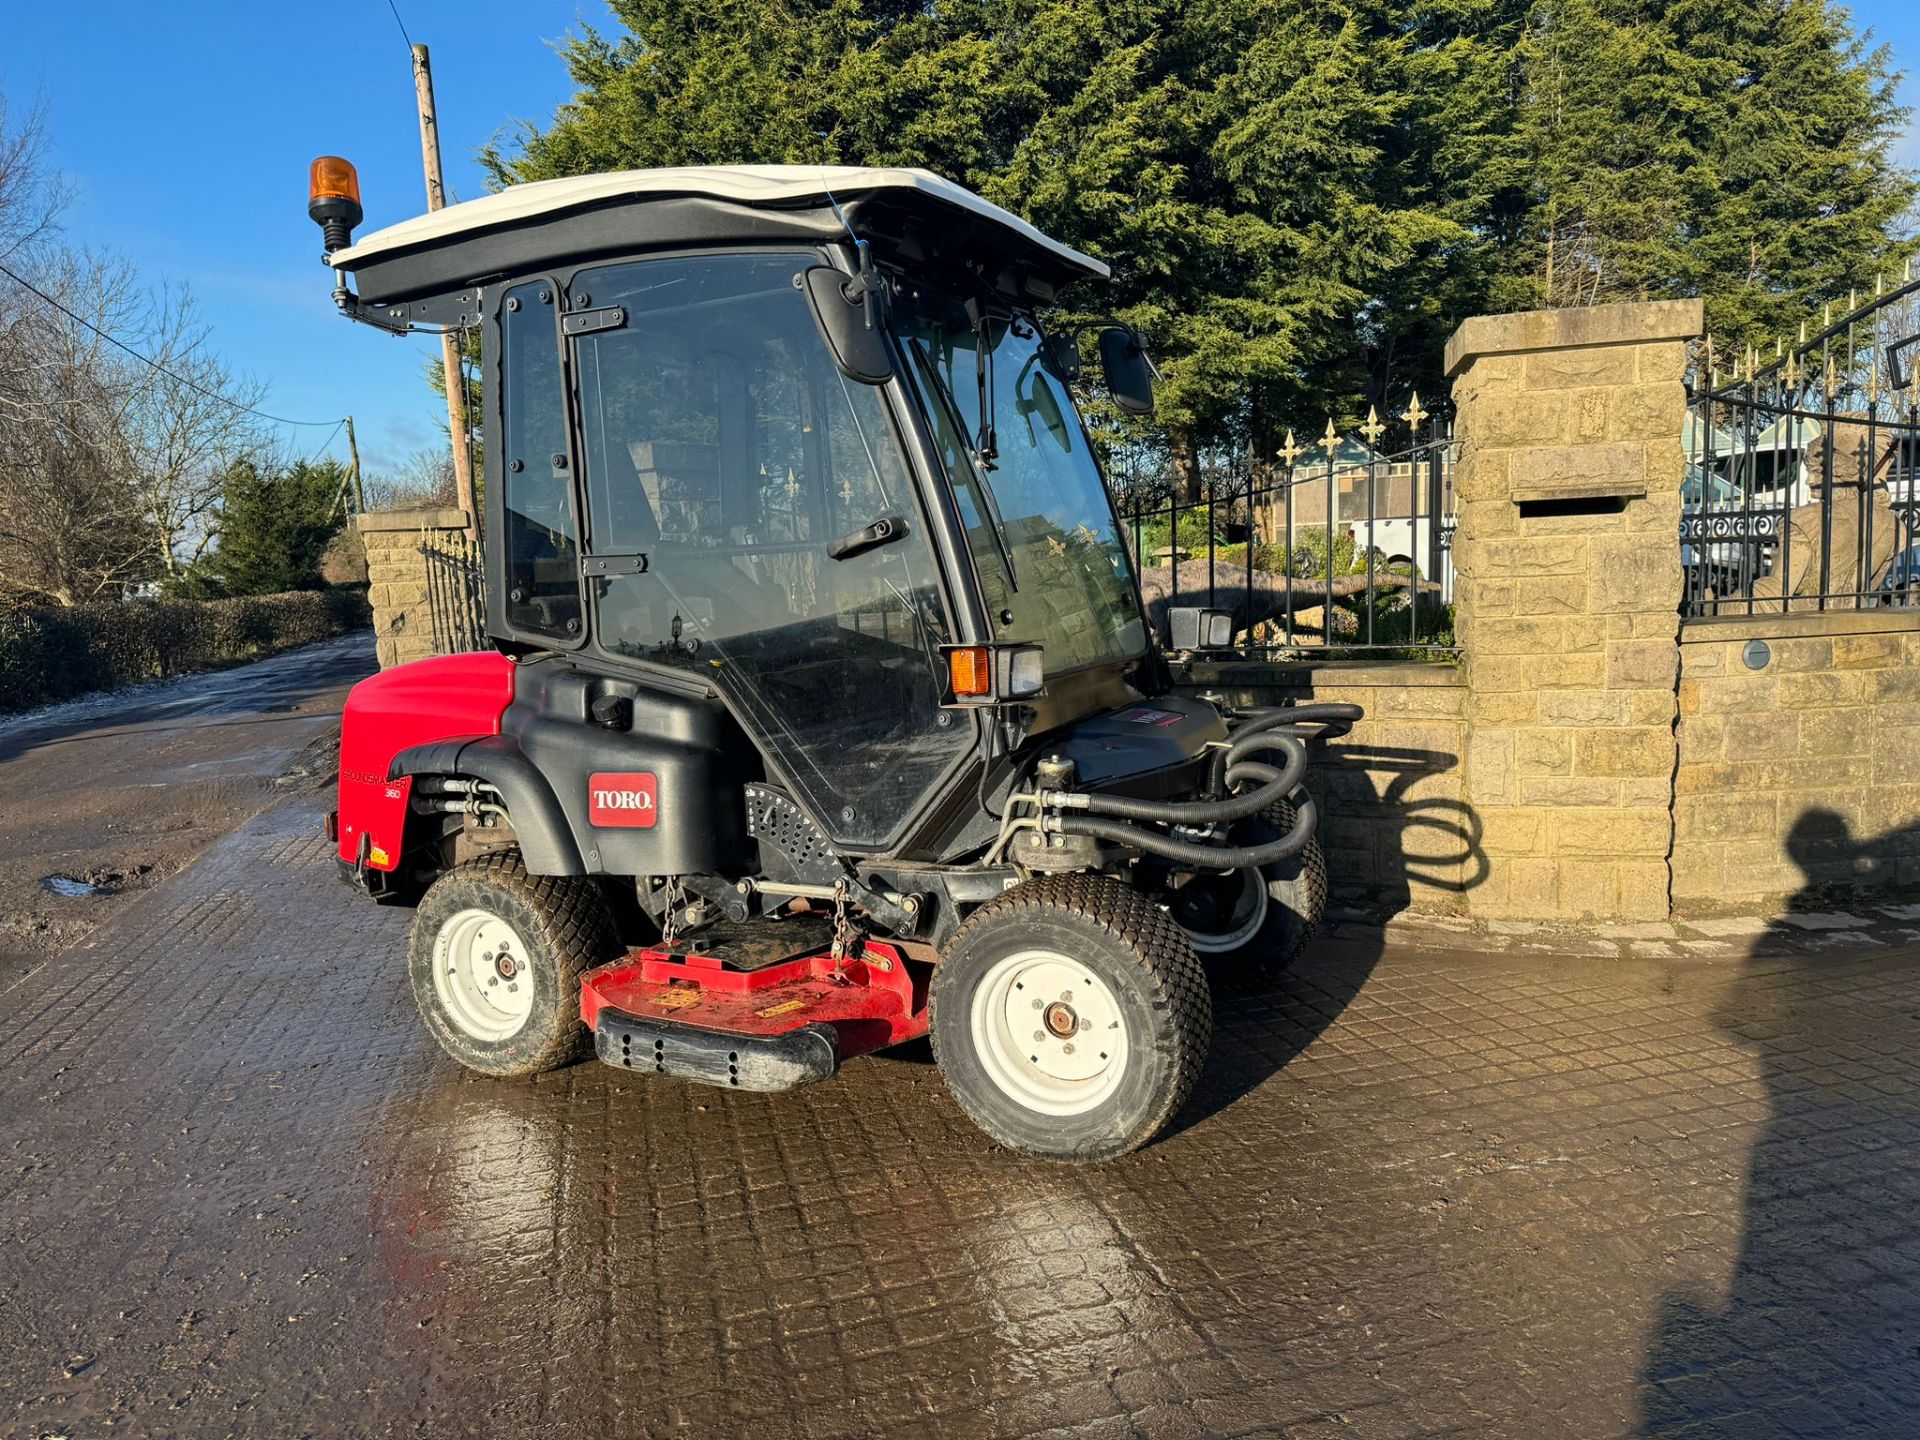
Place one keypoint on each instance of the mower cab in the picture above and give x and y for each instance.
(822, 709)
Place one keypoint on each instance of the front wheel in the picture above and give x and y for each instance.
(1249, 925)
(1070, 1018)
(495, 959)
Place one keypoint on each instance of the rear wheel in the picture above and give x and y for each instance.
(1070, 1018)
(1249, 925)
(495, 959)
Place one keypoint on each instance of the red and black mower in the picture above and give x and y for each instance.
(823, 712)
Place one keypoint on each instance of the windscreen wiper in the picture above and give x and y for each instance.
(988, 445)
(981, 483)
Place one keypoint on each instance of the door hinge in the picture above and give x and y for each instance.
(585, 322)
(613, 565)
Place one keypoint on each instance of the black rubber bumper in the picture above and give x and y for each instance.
(714, 1057)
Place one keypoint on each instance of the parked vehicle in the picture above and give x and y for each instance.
(822, 713)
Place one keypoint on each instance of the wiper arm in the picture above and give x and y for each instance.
(981, 483)
(988, 446)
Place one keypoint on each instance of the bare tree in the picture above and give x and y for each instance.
(424, 478)
(31, 195)
(185, 426)
(71, 524)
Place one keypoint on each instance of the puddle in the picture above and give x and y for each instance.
(71, 888)
(98, 882)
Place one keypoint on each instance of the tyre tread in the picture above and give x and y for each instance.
(1176, 980)
(577, 929)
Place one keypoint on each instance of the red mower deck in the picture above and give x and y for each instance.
(701, 1015)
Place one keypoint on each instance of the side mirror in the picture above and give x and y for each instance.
(1129, 375)
(858, 344)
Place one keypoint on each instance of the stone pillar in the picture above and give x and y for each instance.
(1567, 602)
(397, 578)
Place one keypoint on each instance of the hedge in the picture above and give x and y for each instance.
(54, 654)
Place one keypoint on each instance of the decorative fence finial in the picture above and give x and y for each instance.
(1289, 452)
(1330, 441)
(1373, 429)
(1415, 416)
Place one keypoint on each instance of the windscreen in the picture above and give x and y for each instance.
(1039, 523)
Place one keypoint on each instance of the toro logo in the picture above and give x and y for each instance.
(622, 800)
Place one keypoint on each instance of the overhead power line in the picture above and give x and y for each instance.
(401, 23)
(153, 364)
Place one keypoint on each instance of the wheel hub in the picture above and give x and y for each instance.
(479, 976)
(1049, 1033)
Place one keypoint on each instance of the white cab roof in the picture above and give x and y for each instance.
(770, 185)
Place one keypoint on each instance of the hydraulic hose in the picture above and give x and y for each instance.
(1329, 719)
(1199, 856)
(1271, 785)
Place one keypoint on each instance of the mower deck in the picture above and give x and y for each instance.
(761, 1007)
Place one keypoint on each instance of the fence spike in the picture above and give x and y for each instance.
(1289, 452)
(1373, 429)
(1330, 441)
(1414, 415)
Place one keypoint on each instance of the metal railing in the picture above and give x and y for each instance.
(456, 593)
(1350, 552)
(1802, 487)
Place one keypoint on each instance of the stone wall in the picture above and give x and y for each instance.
(1796, 771)
(397, 578)
(1397, 832)
(1567, 602)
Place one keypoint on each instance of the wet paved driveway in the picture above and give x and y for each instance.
(241, 1194)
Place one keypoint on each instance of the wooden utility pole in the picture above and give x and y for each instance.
(353, 471)
(449, 342)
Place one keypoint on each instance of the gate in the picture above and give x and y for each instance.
(456, 594)
(1342, 548)
(1800, 489)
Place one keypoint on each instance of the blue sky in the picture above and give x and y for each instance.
(187, 128)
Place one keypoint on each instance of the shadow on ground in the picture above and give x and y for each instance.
(1818, 1332)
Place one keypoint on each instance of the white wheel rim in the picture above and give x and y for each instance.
(1049, 1033)
(1213, 942)
(483, 975)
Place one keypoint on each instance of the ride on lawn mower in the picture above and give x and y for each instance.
(823, 713)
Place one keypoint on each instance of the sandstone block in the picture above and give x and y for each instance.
(1646, 750)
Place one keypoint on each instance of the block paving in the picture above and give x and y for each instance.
(1469, 1191)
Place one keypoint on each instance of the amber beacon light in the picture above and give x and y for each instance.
(333, 200)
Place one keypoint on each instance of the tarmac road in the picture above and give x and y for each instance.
(118, 791)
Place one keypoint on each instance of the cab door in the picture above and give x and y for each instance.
(751, 517)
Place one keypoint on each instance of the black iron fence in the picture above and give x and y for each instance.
(1348, 550)
(1802, 486)
(456, 595)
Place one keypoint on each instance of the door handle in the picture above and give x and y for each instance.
(883, 531)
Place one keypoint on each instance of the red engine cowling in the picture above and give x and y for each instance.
(438, 699)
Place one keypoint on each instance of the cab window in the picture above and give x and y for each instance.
(723, 455)
(542, 562)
